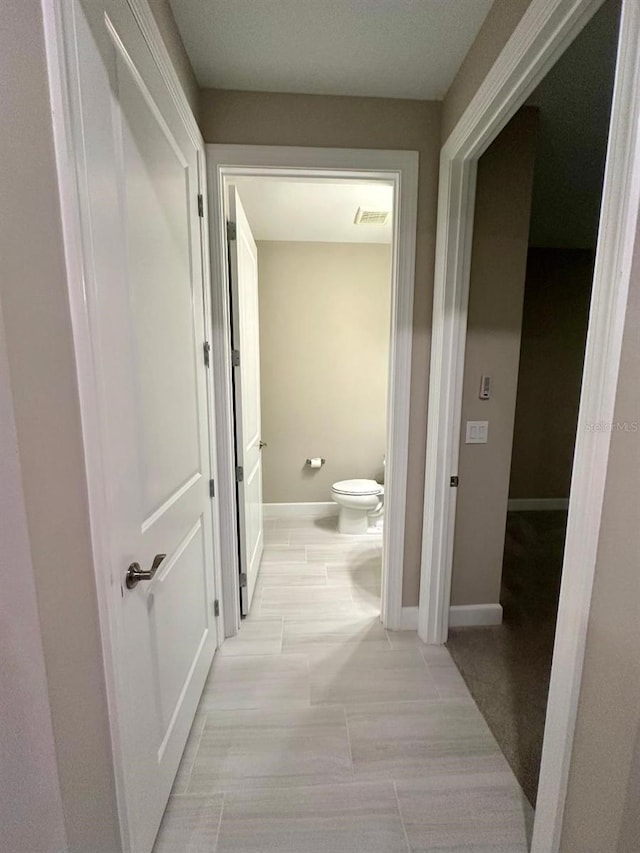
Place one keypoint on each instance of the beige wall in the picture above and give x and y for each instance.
(172, 39)
(33, 293)
(31, 816)
(324, 351)
(554, 331)
(498, 265)
(630, 823)
(602, 808)
(503, 18)
(315, 120)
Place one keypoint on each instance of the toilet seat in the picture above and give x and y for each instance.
(357, 487)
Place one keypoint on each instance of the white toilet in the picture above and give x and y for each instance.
(361, 504)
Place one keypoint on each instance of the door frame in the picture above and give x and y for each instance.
(64, 82)
(545, 31)
(399, 169)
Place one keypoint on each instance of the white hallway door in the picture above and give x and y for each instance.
(139, 186)
(243, 258)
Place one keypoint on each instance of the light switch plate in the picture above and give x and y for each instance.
(477, 432)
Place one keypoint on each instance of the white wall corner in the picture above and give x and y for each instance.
(469, 615)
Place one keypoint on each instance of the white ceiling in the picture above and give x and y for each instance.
(314, 211)
(383, 48)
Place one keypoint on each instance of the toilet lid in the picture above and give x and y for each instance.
(357, 487)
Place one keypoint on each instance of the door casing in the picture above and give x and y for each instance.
(400, 170)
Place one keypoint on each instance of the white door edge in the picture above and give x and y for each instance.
(399, 168)
(78, 258)
(243, 283)
(211, 399)
(546, 29)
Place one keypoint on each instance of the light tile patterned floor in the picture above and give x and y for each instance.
(320, 732)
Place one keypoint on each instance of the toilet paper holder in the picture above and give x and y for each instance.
(310, 462)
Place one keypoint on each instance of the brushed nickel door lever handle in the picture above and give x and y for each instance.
(135, 574)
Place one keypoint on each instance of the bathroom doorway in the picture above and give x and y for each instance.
(310, 283)
(314, 284)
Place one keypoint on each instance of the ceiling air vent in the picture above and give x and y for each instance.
(371, 217)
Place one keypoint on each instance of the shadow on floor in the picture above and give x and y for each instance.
(507, 668)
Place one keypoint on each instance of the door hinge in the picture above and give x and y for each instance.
(212, 488)
(231, 231)
(207, 353)
(239, 473)
(243, 578)
(454, 481)
(200, 205)
(235, 358)
(216, 608)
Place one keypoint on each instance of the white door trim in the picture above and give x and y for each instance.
(399, 168)
(67, 134)
(546, 29)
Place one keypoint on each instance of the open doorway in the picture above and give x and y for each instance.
(530, 289)
(393, 172)
(310, 294)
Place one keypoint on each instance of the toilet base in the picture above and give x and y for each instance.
(353, 521)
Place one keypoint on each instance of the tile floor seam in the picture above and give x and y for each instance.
(424, 660)
(346, 723)
(433, 678)
(404, 828)
(421, 650)
(374, 704)
(203, 795)
(195, 754)
(258, 654)
(215, 844)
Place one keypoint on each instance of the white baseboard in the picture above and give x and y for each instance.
(468, 615)
(300, 510)
(409, 619)
(539, 504)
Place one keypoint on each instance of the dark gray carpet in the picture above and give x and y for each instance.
(507, 668)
